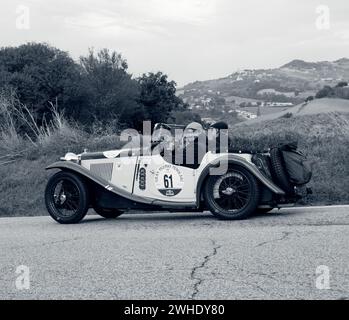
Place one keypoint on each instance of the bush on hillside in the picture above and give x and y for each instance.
(323, 137)
(341, 90)
(40, 74)
(310, 98)
(325, 92)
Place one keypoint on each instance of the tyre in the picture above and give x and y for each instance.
(66, 197)
(279, 172)
(108, 213)
(232, 196)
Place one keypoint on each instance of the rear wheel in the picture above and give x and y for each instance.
(234, 195)
(66, 197)
(108, 213)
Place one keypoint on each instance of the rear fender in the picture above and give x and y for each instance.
(239, 161)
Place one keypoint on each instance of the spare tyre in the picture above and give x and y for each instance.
(279, 172)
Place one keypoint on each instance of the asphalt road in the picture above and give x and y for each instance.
(179, 256)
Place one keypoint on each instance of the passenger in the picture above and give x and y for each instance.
(222, 142)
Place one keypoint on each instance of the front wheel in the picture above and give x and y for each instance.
(232, 196)
(108, 213)
(66, 197)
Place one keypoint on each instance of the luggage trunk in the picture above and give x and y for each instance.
(297, 166)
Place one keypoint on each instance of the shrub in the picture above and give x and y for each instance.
(342, 84)
(325, 92)
(287, 115)
(323, 137)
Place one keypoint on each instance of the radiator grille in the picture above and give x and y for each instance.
(103, 170)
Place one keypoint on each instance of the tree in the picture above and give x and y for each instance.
(184, 117)
(41, 74)
(310, 98)
(111, 91)
(217, 101)
(158, 97)
(99, 87)
(259, 111)
(342, 84)
(326, 91)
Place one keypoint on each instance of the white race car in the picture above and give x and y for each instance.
(232, 185)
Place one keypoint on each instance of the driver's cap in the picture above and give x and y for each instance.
(220, 125)
(195, 126)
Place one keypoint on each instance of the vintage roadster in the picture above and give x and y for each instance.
(232, 184)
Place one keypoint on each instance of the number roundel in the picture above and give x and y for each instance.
(169, 180)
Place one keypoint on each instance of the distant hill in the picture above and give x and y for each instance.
(317, 106)
(330, 68)
(300, 64)
(291, 83)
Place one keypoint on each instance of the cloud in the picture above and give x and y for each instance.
(342, 34)
(90, 20)
(132, 17)
(188, 39)
(183, 11)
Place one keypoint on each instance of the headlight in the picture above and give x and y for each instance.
(70, 157)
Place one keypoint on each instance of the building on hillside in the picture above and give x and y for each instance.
(277, 104)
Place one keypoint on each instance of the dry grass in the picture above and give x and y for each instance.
(24, 156)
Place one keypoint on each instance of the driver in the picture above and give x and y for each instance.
(191, 132)
(193, 146)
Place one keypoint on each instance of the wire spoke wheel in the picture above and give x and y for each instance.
(234, 195)
(66, 197)
(232, 191)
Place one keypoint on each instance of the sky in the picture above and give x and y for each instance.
(187, 39)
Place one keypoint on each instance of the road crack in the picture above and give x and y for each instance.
(38, 245)
(285, 235)
(194, 272)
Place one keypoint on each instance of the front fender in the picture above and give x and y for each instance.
(68, 165)
(232, 159)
